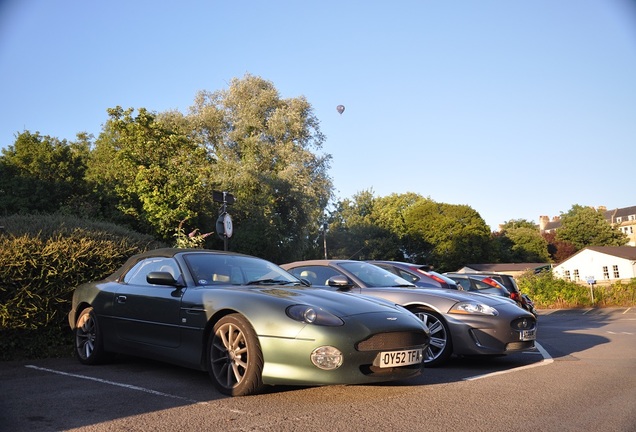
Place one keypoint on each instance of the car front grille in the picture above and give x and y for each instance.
(393, 341)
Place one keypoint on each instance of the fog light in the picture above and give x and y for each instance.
(327, 358)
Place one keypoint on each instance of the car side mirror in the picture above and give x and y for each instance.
(339, 281)
(161, 278)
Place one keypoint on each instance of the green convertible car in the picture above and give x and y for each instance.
(245, 321)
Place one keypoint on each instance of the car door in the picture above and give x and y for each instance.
(145, 313)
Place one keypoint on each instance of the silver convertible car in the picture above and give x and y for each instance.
(461, 323)
(245, 321)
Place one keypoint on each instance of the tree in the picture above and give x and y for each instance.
(528, 245)
(559, 250)
(455, 234)
(42, 174)
(355, 231)
(584, 226)
(519, 240)
(151, 170)
(264, 151)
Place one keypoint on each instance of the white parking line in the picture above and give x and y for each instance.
(547, 359)
(127, 386)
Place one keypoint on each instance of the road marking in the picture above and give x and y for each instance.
(547, 359)
(103, 381)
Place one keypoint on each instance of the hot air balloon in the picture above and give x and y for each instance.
(340, 108)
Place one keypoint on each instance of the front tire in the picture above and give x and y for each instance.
(235, 359)
(89, 341)
(441, 346)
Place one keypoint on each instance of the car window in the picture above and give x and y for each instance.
(464, 282)
(221, 269)
(480, 284)
(373, 276)
(137, 274)
(316, 275)
(406, 275)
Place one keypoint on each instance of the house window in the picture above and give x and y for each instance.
(576, 274)
(605, 272)
(632, 217)
(619, 219)
(567, 274)
(616, 275)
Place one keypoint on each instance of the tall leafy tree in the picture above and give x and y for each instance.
(355, 231)
(151, 170)
(265, 151)
(456, 234)
(523, 243)
(559, 250)
(585, 226)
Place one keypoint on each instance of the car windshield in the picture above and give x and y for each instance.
(222, 269)
(374, 276)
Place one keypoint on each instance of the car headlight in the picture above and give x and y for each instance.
(473, 308)
(313, 315)
(327, 358)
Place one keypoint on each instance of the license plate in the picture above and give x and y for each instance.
(528, 335)
(400, 358)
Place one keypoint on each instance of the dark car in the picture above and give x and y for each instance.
(506, 281)
(461, 323)
(479, 283)
(245, 321)
(509, 282)
(417, 274)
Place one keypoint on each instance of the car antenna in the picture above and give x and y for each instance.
(352, 255)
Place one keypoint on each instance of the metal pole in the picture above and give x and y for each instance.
(324, 238)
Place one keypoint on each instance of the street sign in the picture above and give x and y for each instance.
(223, 197)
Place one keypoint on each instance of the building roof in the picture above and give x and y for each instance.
(504, 267)
(624, 212)
(625, 252)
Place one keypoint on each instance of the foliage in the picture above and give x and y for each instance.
(42, 260)
(365, 228)
(585, 226)
(194, 240)
(528, 245)
(264, 152)
(550, 292)
(456, 234)
(42, 174)
(559, 250)
(155, 172)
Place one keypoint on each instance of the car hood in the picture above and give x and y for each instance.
(455, 295)
(339, 303)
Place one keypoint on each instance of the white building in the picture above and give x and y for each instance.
(600, 264)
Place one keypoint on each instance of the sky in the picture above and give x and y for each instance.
(515, 108)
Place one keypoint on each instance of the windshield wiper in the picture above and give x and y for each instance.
(270, 282)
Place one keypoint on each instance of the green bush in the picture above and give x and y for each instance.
(42, 259)
(549, 292)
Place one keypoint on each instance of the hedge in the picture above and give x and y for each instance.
(42, 259)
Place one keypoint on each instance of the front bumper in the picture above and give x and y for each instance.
(483, 335)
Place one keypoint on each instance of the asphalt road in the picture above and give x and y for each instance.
(583, 378)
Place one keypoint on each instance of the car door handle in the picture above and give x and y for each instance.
(120, 299)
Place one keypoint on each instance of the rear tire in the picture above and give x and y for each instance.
(235, 359)
(89, 341)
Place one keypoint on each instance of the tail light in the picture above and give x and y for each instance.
(491, 282)
(515, 296)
